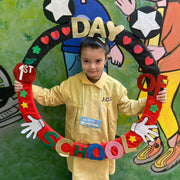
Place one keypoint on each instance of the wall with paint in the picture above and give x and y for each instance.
(21, 22)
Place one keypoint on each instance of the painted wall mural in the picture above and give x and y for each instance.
(33, 30)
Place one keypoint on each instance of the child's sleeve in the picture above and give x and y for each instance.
(48, 97)
(131, 107)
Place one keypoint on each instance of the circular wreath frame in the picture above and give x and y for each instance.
(25, 72)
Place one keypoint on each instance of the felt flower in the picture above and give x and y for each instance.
(23, 93)
(36, 49)
(153, 108)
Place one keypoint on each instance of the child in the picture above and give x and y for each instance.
(91, 94)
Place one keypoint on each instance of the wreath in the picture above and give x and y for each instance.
(25, 72)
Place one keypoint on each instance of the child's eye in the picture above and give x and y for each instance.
(85, 61)
(98, 61)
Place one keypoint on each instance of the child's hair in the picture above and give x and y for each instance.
(95, 43)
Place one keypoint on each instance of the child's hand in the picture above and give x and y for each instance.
(17, 86)
(162, 96)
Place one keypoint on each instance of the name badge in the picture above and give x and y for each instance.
(93, 123)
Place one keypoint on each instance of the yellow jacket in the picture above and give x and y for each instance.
(114, 98)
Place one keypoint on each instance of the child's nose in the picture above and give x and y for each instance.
(93, 65)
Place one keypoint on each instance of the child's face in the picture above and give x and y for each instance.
(93, 61)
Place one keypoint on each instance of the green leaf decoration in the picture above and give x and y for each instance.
(29, 61)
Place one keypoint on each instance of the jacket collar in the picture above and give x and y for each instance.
(100, 83)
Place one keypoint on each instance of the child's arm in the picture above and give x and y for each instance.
(131, 107)
(136, 107)
(46, 97)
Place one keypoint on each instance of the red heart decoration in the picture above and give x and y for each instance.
(55, 35)
(126, 40)
(138, 49)
(148, 61)
(45, 40)
(66, 30)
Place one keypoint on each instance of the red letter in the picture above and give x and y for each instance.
(159, 84)
(152, 82)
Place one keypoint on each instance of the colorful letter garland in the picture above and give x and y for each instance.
(25, 73)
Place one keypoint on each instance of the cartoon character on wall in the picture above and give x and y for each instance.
(165, 48)
(9, 112)
(70, 48)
